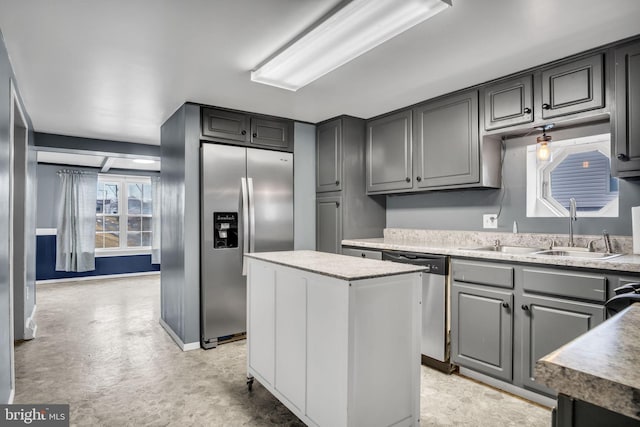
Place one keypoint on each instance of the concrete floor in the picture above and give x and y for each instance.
(100, 349)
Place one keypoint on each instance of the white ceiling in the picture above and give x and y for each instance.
(117, 69)
(95, 161)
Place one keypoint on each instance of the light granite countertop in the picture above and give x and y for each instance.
(460, 243)
(338, 266)
(601, 366)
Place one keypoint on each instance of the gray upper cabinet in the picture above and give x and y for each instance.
(329, 156)
(328, 224)
(273, 133)
(508, 103)
(223, 124)
(626, 120)
(548, 324)
(446, 141)
(481, 329)
(389, 153)
(247, 129)
(573, 87)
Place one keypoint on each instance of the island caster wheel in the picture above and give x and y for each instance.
(249, 383)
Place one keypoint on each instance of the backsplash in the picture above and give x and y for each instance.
(464, 239)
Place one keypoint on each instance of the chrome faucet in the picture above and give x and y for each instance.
(572, 217)
(607, 242)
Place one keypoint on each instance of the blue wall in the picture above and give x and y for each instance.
(46, 263)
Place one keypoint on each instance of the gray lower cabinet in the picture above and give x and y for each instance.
(549, 323)
(508, 103)
(481, 329)
(362, 253)
(626, 120)
(389, 153)
(573, 87)
(248, 129)
(328, 224)
(506, 316)
(446, 141)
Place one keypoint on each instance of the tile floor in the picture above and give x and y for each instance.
(100, 348)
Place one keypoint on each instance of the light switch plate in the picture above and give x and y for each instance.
(489, 221)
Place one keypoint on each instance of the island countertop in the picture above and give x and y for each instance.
(601, 367)
(333, 265)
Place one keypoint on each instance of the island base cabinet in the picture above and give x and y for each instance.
(342, 353)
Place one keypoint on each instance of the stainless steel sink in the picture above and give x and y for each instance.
(506, 249)
(578, 254)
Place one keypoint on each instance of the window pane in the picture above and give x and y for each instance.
(111, 198)
(147, 223)
(99, 225)
(99, 240)
(134, 223)
(100, 198)
(134, 203)
(111, 223)
(147, 200)
(146, 238)
(111, 240)
(133, 240)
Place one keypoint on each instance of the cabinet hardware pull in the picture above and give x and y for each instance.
(244, 132)
(622, 157)
(337, 204)
(546, 106)
(407, 179)
(337, 182)
(505, 304)
(363, 255)
(418, 178)
(525, 307)
(255, 135)
(527, 110)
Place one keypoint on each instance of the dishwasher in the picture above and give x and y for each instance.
(434, 344)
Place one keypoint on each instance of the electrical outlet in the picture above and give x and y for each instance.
(489, 221)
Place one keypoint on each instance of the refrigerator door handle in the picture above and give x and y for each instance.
(245, 223)
(252, 217)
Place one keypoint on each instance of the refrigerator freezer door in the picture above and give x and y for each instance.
(270, 176)
(222, 286)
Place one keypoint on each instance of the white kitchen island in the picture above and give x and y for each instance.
(335, 338)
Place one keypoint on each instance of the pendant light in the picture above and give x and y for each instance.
(543, 152)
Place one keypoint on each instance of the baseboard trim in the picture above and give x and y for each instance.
(104, 276)
(176, 338)
(509, 388)
(12, 395)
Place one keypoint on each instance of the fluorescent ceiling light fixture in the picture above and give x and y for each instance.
(144, 161)
(355, 27)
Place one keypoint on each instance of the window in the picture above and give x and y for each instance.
(124, 209)
(579, 168)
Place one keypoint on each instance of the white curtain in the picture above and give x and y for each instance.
(155, 221)
(76, 235)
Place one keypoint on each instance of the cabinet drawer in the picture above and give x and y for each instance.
(482, 273)
(362, 253)
(574, 285)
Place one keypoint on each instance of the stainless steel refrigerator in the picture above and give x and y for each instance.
(246, 206)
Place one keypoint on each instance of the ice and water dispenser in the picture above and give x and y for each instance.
(225, 230)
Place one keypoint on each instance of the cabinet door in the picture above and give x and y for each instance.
(481, 329)
(362, 253)
(226, 125)
(446, 140)
(508, 103)
(271, 133)
(389, 152)
(261, 285)
(548, 324)
(626, 140)
(574, 87)
(329, 156)
(329, 224)
(291, 336)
